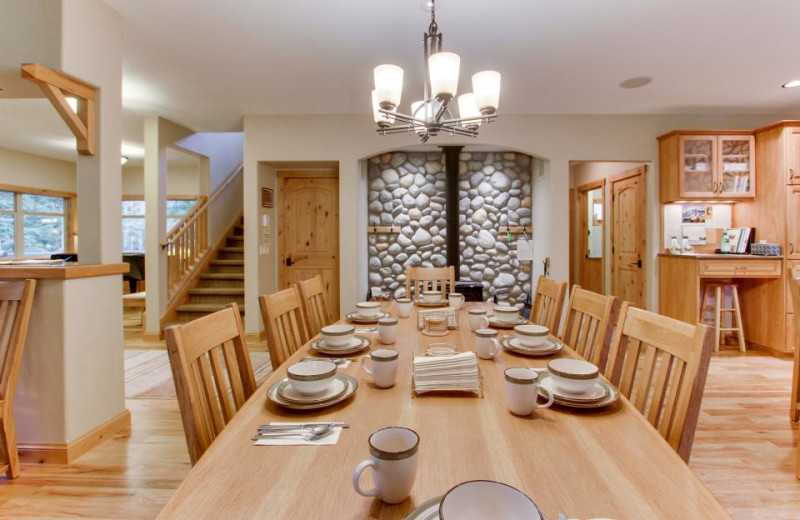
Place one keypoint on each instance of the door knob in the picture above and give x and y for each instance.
(637, 263)
(289, 261)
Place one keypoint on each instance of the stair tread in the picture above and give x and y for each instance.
(232, 249)
(217, 290)
(222, 276)
(227, 262)
(202, 307)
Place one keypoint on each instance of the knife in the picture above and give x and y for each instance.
(274, 427)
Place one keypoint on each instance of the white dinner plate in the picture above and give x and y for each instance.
(357, 344)
(612, 397)
(350, 387)
(288, 392)
(511, 344)
(495, 323)
(428, 510)
(355, 317)
(439, 303)
(597, 393)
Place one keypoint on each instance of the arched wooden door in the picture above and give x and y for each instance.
(628, 236)
(308, 231)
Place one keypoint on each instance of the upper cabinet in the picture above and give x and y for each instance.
(705, 166)
(793, 157)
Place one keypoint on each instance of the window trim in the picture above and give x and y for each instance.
(70, 218)
(199, 199)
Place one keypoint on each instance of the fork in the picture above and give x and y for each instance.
(310, 437)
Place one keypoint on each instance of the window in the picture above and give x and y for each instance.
(133, 221)
(32, 224)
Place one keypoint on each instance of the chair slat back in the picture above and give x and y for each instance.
(420, 279)
(660, 365)
(212, 373)
(589, 324)
(794, 289)
(548, 302)
(315, 304)
(285, 322)
(16, 300)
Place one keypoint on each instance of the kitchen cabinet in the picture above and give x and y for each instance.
(793, 157)
(706, 166)
(793, 221)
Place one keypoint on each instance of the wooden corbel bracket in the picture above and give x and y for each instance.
(56, 87)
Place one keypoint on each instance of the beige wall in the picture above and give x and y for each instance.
(558, 139)
(35, 171)
(181, 180)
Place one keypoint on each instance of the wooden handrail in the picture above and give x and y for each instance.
(193, 215)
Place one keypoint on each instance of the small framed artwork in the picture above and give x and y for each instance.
(266, 198)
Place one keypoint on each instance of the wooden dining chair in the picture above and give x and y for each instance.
(16, 299)
(420, 279)
(315, 304)
(660, 365)
(589, 324)
(548, 303)
(285, 322)
(212, 373)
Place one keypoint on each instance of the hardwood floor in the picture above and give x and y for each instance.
(744, 450)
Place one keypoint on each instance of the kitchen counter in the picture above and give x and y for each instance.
(721, 256)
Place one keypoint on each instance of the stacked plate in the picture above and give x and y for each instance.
(356, 344)
(283, 394)
(496, 323)
(455, 373)
(601, 394)
(436, 303)
(549, 347)
(357, 317)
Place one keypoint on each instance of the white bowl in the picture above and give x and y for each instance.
(487, 500)
(573, 376)
(531, 335)
(431, 296)
(311, 377)
(368, 308)
(338, 335)
(505, 313)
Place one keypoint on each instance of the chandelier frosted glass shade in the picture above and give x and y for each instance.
(383, 119)
(388, 85)
(418, 111)
(443, 68)
(467, 109)
(486, 86)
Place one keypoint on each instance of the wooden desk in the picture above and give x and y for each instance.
(761, 292)
(608, 463)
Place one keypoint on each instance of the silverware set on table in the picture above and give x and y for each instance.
(306, 431)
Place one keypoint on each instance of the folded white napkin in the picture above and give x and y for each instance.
(455, 373)
(328, 440)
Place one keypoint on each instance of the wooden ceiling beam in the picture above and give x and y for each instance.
(56, 86)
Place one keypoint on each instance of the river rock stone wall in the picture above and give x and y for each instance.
(407, 191)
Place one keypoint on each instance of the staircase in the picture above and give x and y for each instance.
(221, 283)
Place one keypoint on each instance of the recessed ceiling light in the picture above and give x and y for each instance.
(792, 84)
(637, 82)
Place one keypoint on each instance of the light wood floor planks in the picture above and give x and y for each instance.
(744, 450)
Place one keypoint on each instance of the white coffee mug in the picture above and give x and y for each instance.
(393, 458)
(387, 330)
(478, 319)
(455, 300)
(403, 306)
(522, 391)
(486, 344)
(384, 366)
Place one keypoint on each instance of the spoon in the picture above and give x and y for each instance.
(312, 434)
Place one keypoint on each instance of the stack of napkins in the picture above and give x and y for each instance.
(456, 373)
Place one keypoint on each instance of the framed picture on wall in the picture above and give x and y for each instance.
(266, 198)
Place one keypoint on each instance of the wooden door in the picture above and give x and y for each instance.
(308, 231)
(628, 239)
(590, 264)
(793, 221)
(698, 155)
(793, 158)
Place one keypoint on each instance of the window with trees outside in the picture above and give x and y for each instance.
(133, 221)
(32, 224)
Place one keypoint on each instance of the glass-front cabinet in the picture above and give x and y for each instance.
(705, 166)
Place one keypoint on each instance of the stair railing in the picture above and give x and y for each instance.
(187, 242)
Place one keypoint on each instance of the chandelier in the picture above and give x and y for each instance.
(433, 114)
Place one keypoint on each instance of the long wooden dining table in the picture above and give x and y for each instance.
(608, 463)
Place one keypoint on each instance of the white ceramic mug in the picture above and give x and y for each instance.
(455, 300)
(478, 319)
(393, 458)
(522, 391)
(387, 330)
(403, 306)
(384, 366)
(486, 344)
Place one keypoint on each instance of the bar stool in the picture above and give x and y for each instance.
(724, 308)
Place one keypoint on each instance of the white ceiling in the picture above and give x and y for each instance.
(205, 63)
